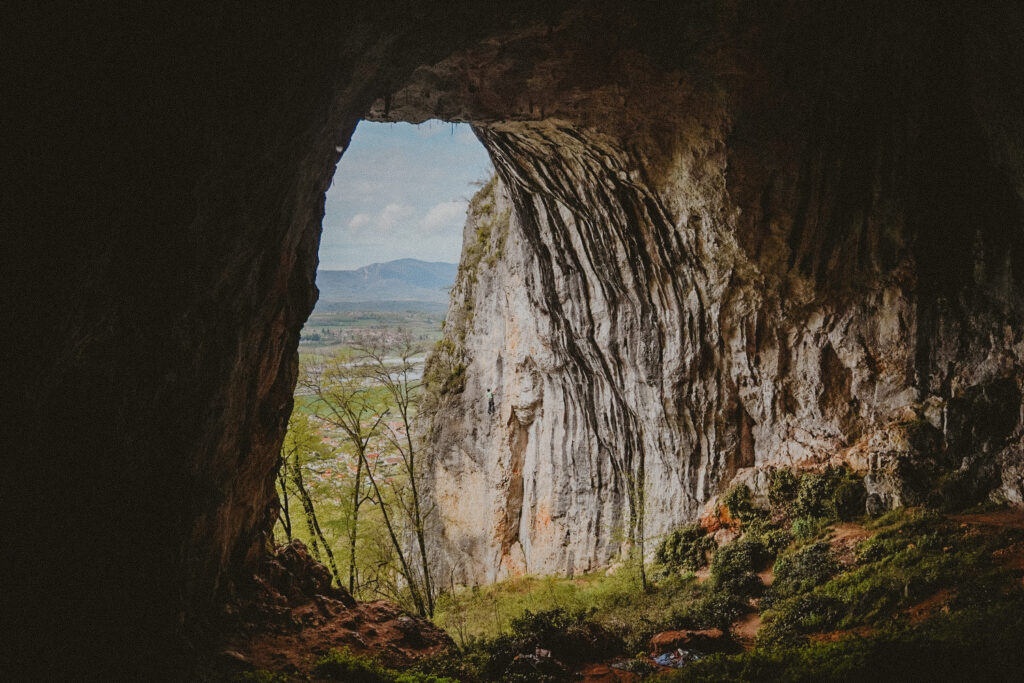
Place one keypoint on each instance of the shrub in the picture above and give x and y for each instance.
(835, 493)
(850, 498)
(878, 547)
(813, 497)
(343, 665)
(806, 528)
(569, 635)
(715, 610)
(774, 539)
(739, 502)
(733, 567)
(788, 622)
(804, 569)
(782, 487)
(685, 548)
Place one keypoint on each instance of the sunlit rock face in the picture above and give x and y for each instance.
(739, 234)
(805, 271)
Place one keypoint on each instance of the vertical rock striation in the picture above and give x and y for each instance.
(796, 277)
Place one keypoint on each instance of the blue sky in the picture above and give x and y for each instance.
(400, 191)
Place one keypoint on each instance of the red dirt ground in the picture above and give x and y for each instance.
(844, 538)
(1012, 518)
(602, 673)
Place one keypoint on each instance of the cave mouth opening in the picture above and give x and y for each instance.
(390, 249)
(391, 236)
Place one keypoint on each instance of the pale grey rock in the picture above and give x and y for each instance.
(629, 336)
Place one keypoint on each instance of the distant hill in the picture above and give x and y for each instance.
(391, 284)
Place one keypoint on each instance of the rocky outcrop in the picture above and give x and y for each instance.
(289, 614)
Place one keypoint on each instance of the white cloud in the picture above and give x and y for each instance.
(397, 194)
(444, 216)
(393, 218)
(359, 221)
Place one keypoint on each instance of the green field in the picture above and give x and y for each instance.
(327, 332)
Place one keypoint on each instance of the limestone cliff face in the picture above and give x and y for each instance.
(652, 337)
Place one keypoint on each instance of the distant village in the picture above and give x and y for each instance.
(341, 466)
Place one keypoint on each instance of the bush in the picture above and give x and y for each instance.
(739, 502)
(789, 622)
(343, 665)
(837, 493)
(878, 547)
(849, 499)
(733, 567)
(774, 539)
(685, 548)
(813, 497)
(570, 635)
(803, 570)
(806, 528)
(782, 487)
(714, 610)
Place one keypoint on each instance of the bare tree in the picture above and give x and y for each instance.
(282, 480)
(390, 358)
(344, 398)
(299, 443)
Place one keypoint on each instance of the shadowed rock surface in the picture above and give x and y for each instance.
(289, 614)
(748, 233)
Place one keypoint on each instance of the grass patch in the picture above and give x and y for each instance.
(343, 665)
(615, 603)
(978, 643)
(913, 555)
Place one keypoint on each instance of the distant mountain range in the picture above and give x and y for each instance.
(391, 284)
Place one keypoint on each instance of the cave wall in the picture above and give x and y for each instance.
(798, 252)
(784, 166)
(169, 169)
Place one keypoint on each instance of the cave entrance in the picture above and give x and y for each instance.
(389, 254)
(392, 230)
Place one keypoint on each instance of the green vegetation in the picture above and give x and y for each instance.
(734, 567)
(782, 487)
(980, 642)
(342, 665)
(686, 548)
(803, 570)
(328, 332)
(915, 557)
(739, 503)
(834, 494)
(856, 599)
(350, 470)
(616, 603)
